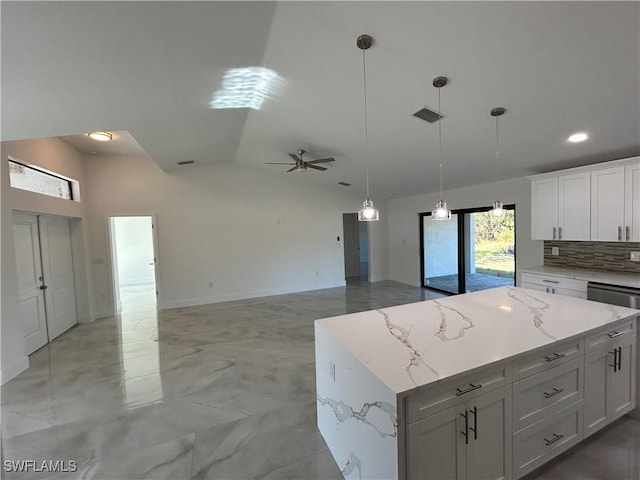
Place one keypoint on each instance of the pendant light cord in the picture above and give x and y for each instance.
(440, 138)
(497, 153)
(366, 116)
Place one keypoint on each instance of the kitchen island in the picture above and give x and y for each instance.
(489, 384)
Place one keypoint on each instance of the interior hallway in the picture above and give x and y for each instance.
(216, 391)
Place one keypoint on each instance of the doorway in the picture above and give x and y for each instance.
(46, 284)
(134, 263)
(472, 251)
(356, 248)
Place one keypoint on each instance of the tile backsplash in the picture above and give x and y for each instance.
(612, 256)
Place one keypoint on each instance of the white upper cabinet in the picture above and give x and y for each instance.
(607, 204)
(588, 203)
(632, 202)
(560, 207)
(573, 207)
(544, 208)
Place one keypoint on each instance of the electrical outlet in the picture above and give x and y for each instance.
(555, 251)
(634, 256)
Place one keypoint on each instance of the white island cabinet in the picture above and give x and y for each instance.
(490, 384)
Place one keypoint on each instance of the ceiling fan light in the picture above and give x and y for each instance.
(369, 212)
(498, 209)
(100, 136)
(441, 212)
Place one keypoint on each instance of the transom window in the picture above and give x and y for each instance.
(26, 177)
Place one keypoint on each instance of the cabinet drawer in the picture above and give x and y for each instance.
(542, 441)
(435, 398)
(610, 334)
(547, 358)
(555, 282)
(538, 396)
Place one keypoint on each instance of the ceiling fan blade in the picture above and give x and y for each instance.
(278, 163)
(291, 169)
(316, 167)
(295, 158)
(322, 160)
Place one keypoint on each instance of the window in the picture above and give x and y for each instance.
(35, 180)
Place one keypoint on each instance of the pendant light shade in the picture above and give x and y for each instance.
(369, 212)
(498, 209)
(441, 212)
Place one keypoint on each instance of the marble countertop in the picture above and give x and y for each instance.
(409, 346)
(601, 276)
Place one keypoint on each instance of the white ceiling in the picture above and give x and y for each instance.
(151, 69)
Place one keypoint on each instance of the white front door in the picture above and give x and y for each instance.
(57, 267)
(30, 295)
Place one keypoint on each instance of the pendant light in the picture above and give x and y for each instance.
(441, 212)
(369, 212)
(498, 208)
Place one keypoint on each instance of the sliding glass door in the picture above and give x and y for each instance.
(472, 251)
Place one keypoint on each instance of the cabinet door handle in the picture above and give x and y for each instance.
(465, 415)
(615, 359)
(554, 233)
(559, 233)
(547, 289)
(553, 440)
(550, 281)
(615, 334)
(471, 388)
(619, 350)
(43, 287)
(553, 393)
(619, 234)
(474, 429)
(627, 233)
(555, 356)
(553, 290)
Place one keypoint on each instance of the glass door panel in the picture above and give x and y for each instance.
(440, 243)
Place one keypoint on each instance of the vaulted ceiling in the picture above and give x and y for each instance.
(151, 70)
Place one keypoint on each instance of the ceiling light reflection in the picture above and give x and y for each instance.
(246, 88)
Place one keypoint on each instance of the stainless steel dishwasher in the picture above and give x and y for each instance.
(625, 297)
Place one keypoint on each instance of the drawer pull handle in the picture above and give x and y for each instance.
(619, 234)
(554, 233)
(628, 230)
(471, 388)
(553, 393)
(550, 281)
(555, 438)
(615, 334)
(555, 356)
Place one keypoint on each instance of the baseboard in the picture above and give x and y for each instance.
(229, 297)
(14, 369)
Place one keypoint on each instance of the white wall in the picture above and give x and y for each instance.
(244, 231)
(404, 246)
(54, 155)
(134, 244)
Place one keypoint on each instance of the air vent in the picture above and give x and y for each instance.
(186, 162)
(428, 115)
(344, 184)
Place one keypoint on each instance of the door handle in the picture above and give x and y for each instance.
(559, 233)
(619, 234)
(43, 287)
(616, 359)
(619, 349)
(474, 429)
(628, 233)
(554, 233)
(465, 415)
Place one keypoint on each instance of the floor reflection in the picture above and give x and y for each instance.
(140, 352)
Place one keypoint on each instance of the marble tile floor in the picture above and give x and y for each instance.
(224, 391)
(214, 391)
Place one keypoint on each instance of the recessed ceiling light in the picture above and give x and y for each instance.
(578, 137)
(100, 136)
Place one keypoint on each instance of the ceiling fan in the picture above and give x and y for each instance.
(301, 165)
